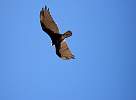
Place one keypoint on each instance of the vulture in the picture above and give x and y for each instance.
(50, 27)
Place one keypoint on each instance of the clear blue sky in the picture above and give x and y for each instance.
(103, 41)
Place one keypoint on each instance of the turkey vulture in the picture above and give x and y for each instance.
(50, 27)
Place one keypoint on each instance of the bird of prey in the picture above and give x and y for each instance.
(50, 27)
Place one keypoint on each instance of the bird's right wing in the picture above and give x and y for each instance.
(47, 22)
(63, 51)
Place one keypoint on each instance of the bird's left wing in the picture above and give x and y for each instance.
(47, 22)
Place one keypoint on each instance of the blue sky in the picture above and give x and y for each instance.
(103, 41)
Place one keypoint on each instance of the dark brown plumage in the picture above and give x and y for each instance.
(50, 27)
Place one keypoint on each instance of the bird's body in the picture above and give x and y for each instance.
(50, 27)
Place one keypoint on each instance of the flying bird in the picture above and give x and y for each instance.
(50, 27)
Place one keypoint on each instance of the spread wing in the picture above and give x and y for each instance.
(63, 51)
(47, 23)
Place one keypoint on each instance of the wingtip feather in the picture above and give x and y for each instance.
(45, 7)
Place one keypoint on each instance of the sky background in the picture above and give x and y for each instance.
(103, 41)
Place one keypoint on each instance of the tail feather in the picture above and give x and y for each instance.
(67, 34)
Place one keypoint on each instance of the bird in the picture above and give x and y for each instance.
(50, 27)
